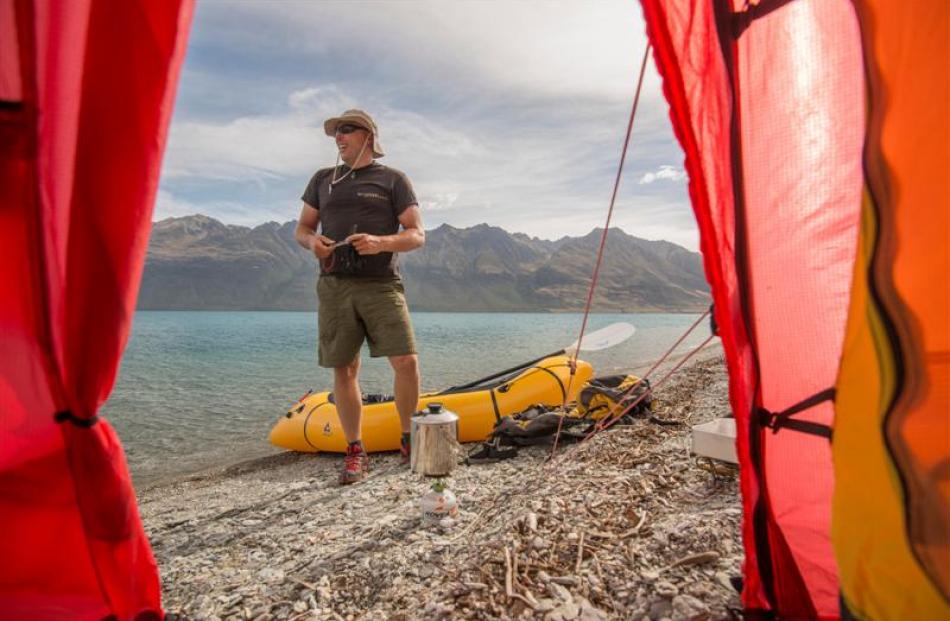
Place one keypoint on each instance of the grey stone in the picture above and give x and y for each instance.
(660, 609)
(588, 612)
(666, 589)
(559, 592)
(688, 608)
(567, 611)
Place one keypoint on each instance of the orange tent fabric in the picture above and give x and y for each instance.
(892, 428)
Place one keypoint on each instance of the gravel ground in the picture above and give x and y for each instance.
(626, 526)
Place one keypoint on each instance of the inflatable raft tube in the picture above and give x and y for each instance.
(312, 424)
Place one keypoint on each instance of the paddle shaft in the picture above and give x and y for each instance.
(505, 372)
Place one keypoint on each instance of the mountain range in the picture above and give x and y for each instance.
(198, 263)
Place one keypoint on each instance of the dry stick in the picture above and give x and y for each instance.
(696, 559)
(635, 529)
(580, 553)
(600, 571)
(643, 518)
(533, 602)
(509, 591)
(514, 567)
(303, 583)
(529, 596)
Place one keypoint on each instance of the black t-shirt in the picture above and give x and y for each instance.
(368, 200)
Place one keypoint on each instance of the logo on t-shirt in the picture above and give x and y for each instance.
(375, 195)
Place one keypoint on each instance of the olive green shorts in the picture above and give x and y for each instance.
(353, 309)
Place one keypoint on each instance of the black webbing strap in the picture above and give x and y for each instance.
(557, 379)
(783, 420)
(494, 405)
(85, 423)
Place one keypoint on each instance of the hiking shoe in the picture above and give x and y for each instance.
(405, 449)
(355, 464)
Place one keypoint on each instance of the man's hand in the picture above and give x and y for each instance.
(364, 243)
(321, 246)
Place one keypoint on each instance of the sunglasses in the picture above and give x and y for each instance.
(347, 128)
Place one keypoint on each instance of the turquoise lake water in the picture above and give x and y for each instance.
(202, 389)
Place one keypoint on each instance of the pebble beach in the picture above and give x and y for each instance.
(628, 525)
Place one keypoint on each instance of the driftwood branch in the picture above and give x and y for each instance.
(509, 590)
(636, 529)
(699, 558)
(580, 553)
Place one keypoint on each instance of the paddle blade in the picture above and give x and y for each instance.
(613, 334)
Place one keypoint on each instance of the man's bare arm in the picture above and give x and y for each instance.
(411, 236)
(306, 233)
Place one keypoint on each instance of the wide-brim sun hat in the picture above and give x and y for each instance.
(356, 117)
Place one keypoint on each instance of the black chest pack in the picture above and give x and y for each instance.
(344, 260)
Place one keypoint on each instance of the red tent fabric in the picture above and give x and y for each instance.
(86, 92)
(767, 101)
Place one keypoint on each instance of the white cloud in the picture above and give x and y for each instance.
(513, 117)
(560, 47)
(255, 148)
(438, 201)
(545, 180)
(292, 143)
(669, 173)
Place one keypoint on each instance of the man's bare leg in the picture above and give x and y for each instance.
(349, 400)
(406, 387)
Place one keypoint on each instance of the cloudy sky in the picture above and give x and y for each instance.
(511, 113)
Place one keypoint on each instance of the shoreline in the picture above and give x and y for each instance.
(154, 481)
(625, 526)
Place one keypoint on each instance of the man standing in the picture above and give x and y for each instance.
(360, 207)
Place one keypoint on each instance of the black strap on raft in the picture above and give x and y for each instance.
(85, 423)
(494, 405)
(557, 379)
(783, 420)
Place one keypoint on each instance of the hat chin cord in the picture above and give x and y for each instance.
(336, 166)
